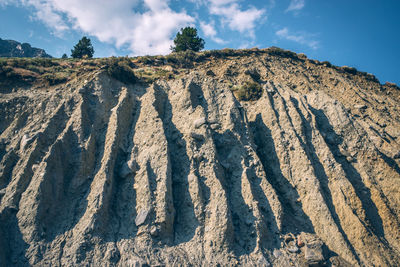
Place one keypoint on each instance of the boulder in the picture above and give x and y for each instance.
(127, 168)
(141, 217)
(197, 137)
(2, 192)
(199, 122)
(360, 106)
(313, 253)
(292, 247)
(25, 141)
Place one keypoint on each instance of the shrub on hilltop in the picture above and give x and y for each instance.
(121, 70)
(249, 91)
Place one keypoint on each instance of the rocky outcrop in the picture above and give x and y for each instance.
(11, 48)
(179, 172)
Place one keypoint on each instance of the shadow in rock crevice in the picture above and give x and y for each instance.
(2, 151)
(107, 221)
(293, 217)
(61, 207)
(8, 163)
(42, 141)
(12, 244)
(231, 181)
(320, 173)
(116, 216)
(197, 96)
(389, 161)
(74, 166)
(54, 209)
(269, 239)
(363, 193)
(123, 206)
(185, 222)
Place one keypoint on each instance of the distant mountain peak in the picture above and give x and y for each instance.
(11, 48)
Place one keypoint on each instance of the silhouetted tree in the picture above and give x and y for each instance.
(64, 56)
(187, 39)
(83, 48)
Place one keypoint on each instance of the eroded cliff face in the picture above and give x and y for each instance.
(180, 172)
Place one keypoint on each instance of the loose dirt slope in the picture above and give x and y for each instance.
(177, 170)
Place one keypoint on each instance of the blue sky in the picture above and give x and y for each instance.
(361, 33)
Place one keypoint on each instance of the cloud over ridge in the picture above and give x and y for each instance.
(147, 27)
(237, 18)
(144, 26)
(298, 37)
(210, 31)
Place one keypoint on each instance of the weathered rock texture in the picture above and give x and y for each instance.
(179, 172)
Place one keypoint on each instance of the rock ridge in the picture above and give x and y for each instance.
(180, 172)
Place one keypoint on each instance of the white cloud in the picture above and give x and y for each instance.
(142, 26)
(233, 15)
(5, 2)
(299, 37)
(152, 33)
(296, 5)
(237, 19)
(221, 2)
(246, 44)
(118, 22)
(209, 31)
(45, 11)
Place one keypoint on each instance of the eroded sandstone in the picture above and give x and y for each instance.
(179, 172)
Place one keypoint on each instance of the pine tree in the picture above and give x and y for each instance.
(83, 48)
(187, 39)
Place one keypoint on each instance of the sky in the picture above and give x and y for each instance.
(364, 34)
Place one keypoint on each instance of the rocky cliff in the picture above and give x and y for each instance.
(11, 48)
(177, 169)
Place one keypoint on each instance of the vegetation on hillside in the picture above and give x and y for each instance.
(121, 69)
(248, 91)
(41, 72)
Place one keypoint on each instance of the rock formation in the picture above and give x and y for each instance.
(180, 172)
(11, 48)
